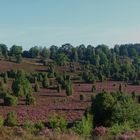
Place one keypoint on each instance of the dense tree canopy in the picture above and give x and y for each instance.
(119, 63)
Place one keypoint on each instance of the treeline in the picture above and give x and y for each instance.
(101, 63)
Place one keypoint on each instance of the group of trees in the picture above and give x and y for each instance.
(119, 63)
(21, 87)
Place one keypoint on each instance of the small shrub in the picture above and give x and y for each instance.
(93, 88)
(29, 126)
(57, 122)
(39, 126)
(84, 127)
(69, 89)
(133, 95)
(10, 100)
(120, 88)
(53, 121)
(117, 129)
(11, 119)
(81, 97)
(36, 87)
(30, 100)
(114, 85)
(62, 123)
(45, 82)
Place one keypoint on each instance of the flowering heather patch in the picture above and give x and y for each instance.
(129, 135)
(100, 131)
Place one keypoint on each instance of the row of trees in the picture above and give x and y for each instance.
(81, 52)
(119, 63)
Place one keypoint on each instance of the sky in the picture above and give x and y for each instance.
(56, 22)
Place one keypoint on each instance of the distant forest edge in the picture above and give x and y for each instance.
(121, 63)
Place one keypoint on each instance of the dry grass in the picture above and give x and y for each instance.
(8, 133)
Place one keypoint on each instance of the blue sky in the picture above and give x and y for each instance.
(48, 22)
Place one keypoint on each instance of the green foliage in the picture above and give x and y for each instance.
(33, 127)
(84, 127)
(69, 89)
(21, 86)
(117, 129)
(2, 87)
(51, 71)
(111, 108)
(10, 100)
(88, 77)
(36, 86)
(45, 82)
(1, 121)
(120, 88)
(81, 97)
(4, 50)
(11, 119)
(34, 52)
(15, 50)
(93, 88)
(5, 77)
(62, 59)
(133, 95)
(30, 99)
(45, 53)
(29, 126)
(57, 122)
(40, 125)
(18, 58)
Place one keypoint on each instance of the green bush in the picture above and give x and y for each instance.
(1, 121)
(115, 108)
(62, 123)
(30, 100)
(53, 121)
(10, 100)
(40, 125)
(56, 122)
(11, 119)
(117, 129)
(29, 126)
(84, 127)
(45, 82)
